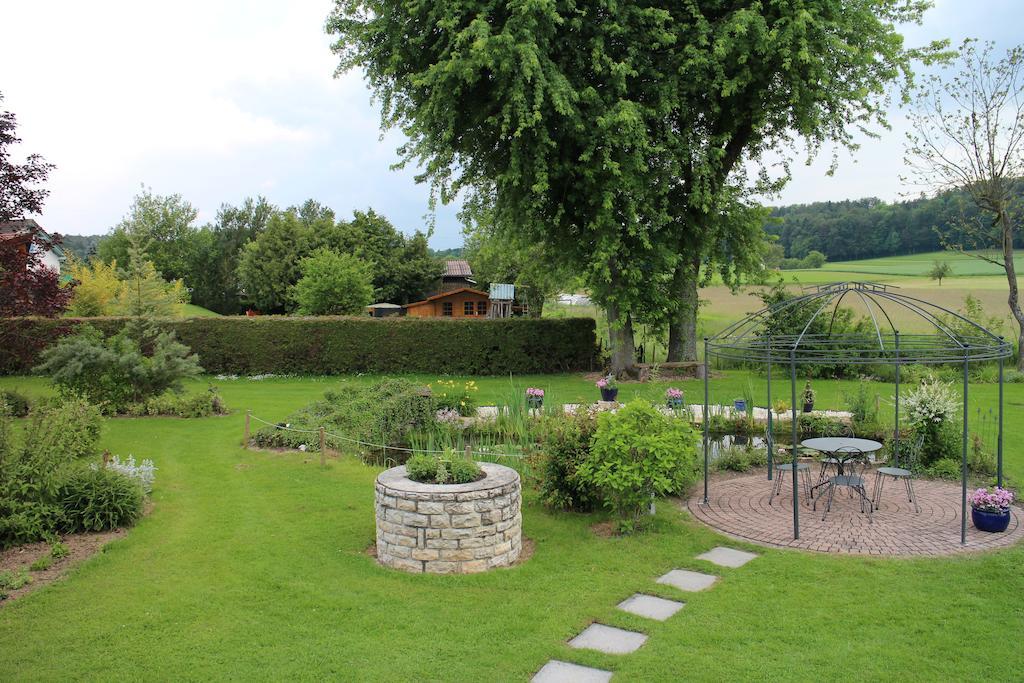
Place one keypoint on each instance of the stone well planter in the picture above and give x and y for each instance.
(451, 528)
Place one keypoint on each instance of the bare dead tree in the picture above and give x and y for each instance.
(967, 138)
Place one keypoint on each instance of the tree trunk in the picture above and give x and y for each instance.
(1006, 226)
(682, 328)
(620, 338)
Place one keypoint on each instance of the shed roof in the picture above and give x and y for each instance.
(457, 268)
(444, 295)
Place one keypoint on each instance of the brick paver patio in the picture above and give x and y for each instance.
(738, 506)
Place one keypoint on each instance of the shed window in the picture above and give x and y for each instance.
(467, 308)
(481, 308)
(446, 308)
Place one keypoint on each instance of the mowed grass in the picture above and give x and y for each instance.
(252, 566)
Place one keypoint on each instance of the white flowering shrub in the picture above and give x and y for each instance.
(144, 473)
(932, 403)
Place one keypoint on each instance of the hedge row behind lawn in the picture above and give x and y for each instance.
(336, 345)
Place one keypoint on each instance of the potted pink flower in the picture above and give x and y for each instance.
(674, 398)
(609, 390)
(990, 509)
(534, 397)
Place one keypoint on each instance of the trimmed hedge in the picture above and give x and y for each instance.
(338, 345)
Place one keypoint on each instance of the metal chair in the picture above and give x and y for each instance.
(830, 462)
(906, 473)
(854, 464)
(803, 470)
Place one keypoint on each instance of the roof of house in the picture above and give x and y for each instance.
(20, 229)
(457, 268)
(444, 295)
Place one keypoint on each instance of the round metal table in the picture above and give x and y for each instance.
(836, 447)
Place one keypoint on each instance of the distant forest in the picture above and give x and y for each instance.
(82, 246)
(868, 228)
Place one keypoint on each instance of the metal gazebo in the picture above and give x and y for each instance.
(760, 339)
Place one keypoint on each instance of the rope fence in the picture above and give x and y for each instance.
(323, 434)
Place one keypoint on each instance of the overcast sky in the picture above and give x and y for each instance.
(219, 100)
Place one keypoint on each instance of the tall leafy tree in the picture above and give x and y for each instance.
(968, 135)
(21, 185)
(163, 224)
(270, 265)
(27, 287)
(333, 284)
(608, 132)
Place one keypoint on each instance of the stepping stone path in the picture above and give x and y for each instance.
(650, 606)
(608, 639)
(727, 557)
(556, 671)
(618, 641)
(685, 580)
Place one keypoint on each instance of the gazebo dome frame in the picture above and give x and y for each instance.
(753, 340)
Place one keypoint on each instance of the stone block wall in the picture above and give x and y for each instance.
(449, 529)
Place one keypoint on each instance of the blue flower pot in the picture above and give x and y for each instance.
(740, 405)
(990, 521)
(675, 403)
(609, 394)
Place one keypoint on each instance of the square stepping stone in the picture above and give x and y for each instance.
(685, 580)
(727, 557)
(608, 639)
(650, 606)
(556, 671)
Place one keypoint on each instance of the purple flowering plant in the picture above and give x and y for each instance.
(534, 392)
(606, 382)
(672, 394)
(991, 500)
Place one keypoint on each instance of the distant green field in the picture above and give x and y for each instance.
(911, 265)
(193, 311)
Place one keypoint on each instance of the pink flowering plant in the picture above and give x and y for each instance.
(994, 500)
(606, 382)
(534, 392)
(673, 394)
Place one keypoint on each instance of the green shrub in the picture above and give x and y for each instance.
(120, 370)
(14, 403)
(33, 467)
(638, 453)
(449, 468)
(740, 459)
(565, 445)
(99, 499)
(58, 550)
(333, 284)
(181, 405)
(460, 397)
(336, 345)
(862, 404)
(945, 468)
(11, 580)
(385, 412)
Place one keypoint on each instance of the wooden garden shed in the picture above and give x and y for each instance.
(464, 302)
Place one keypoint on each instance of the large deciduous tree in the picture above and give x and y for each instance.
(27, 286)
(609, 132)
(967, 136)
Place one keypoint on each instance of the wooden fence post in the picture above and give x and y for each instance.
(323, 449)
(245, 444)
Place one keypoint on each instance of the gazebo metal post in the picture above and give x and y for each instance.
(896, 432)
(705, 419)
(796, 450)
(999, 438)
(963, 462)
(769, 433)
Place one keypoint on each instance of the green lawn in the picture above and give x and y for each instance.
(193, 311)
(252, 566)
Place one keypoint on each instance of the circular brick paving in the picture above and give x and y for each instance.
(738, 506)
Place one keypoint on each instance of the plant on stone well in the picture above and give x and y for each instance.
(449, 467)
(638, 453)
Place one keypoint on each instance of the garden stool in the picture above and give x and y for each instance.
(905, 473)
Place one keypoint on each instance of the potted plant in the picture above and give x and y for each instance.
(808, 397)
(674, 398)
(534, 397)
(990, 509)
(609, 389)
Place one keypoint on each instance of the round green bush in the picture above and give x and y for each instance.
(450, 469)
(13, 404)
(99, 499)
